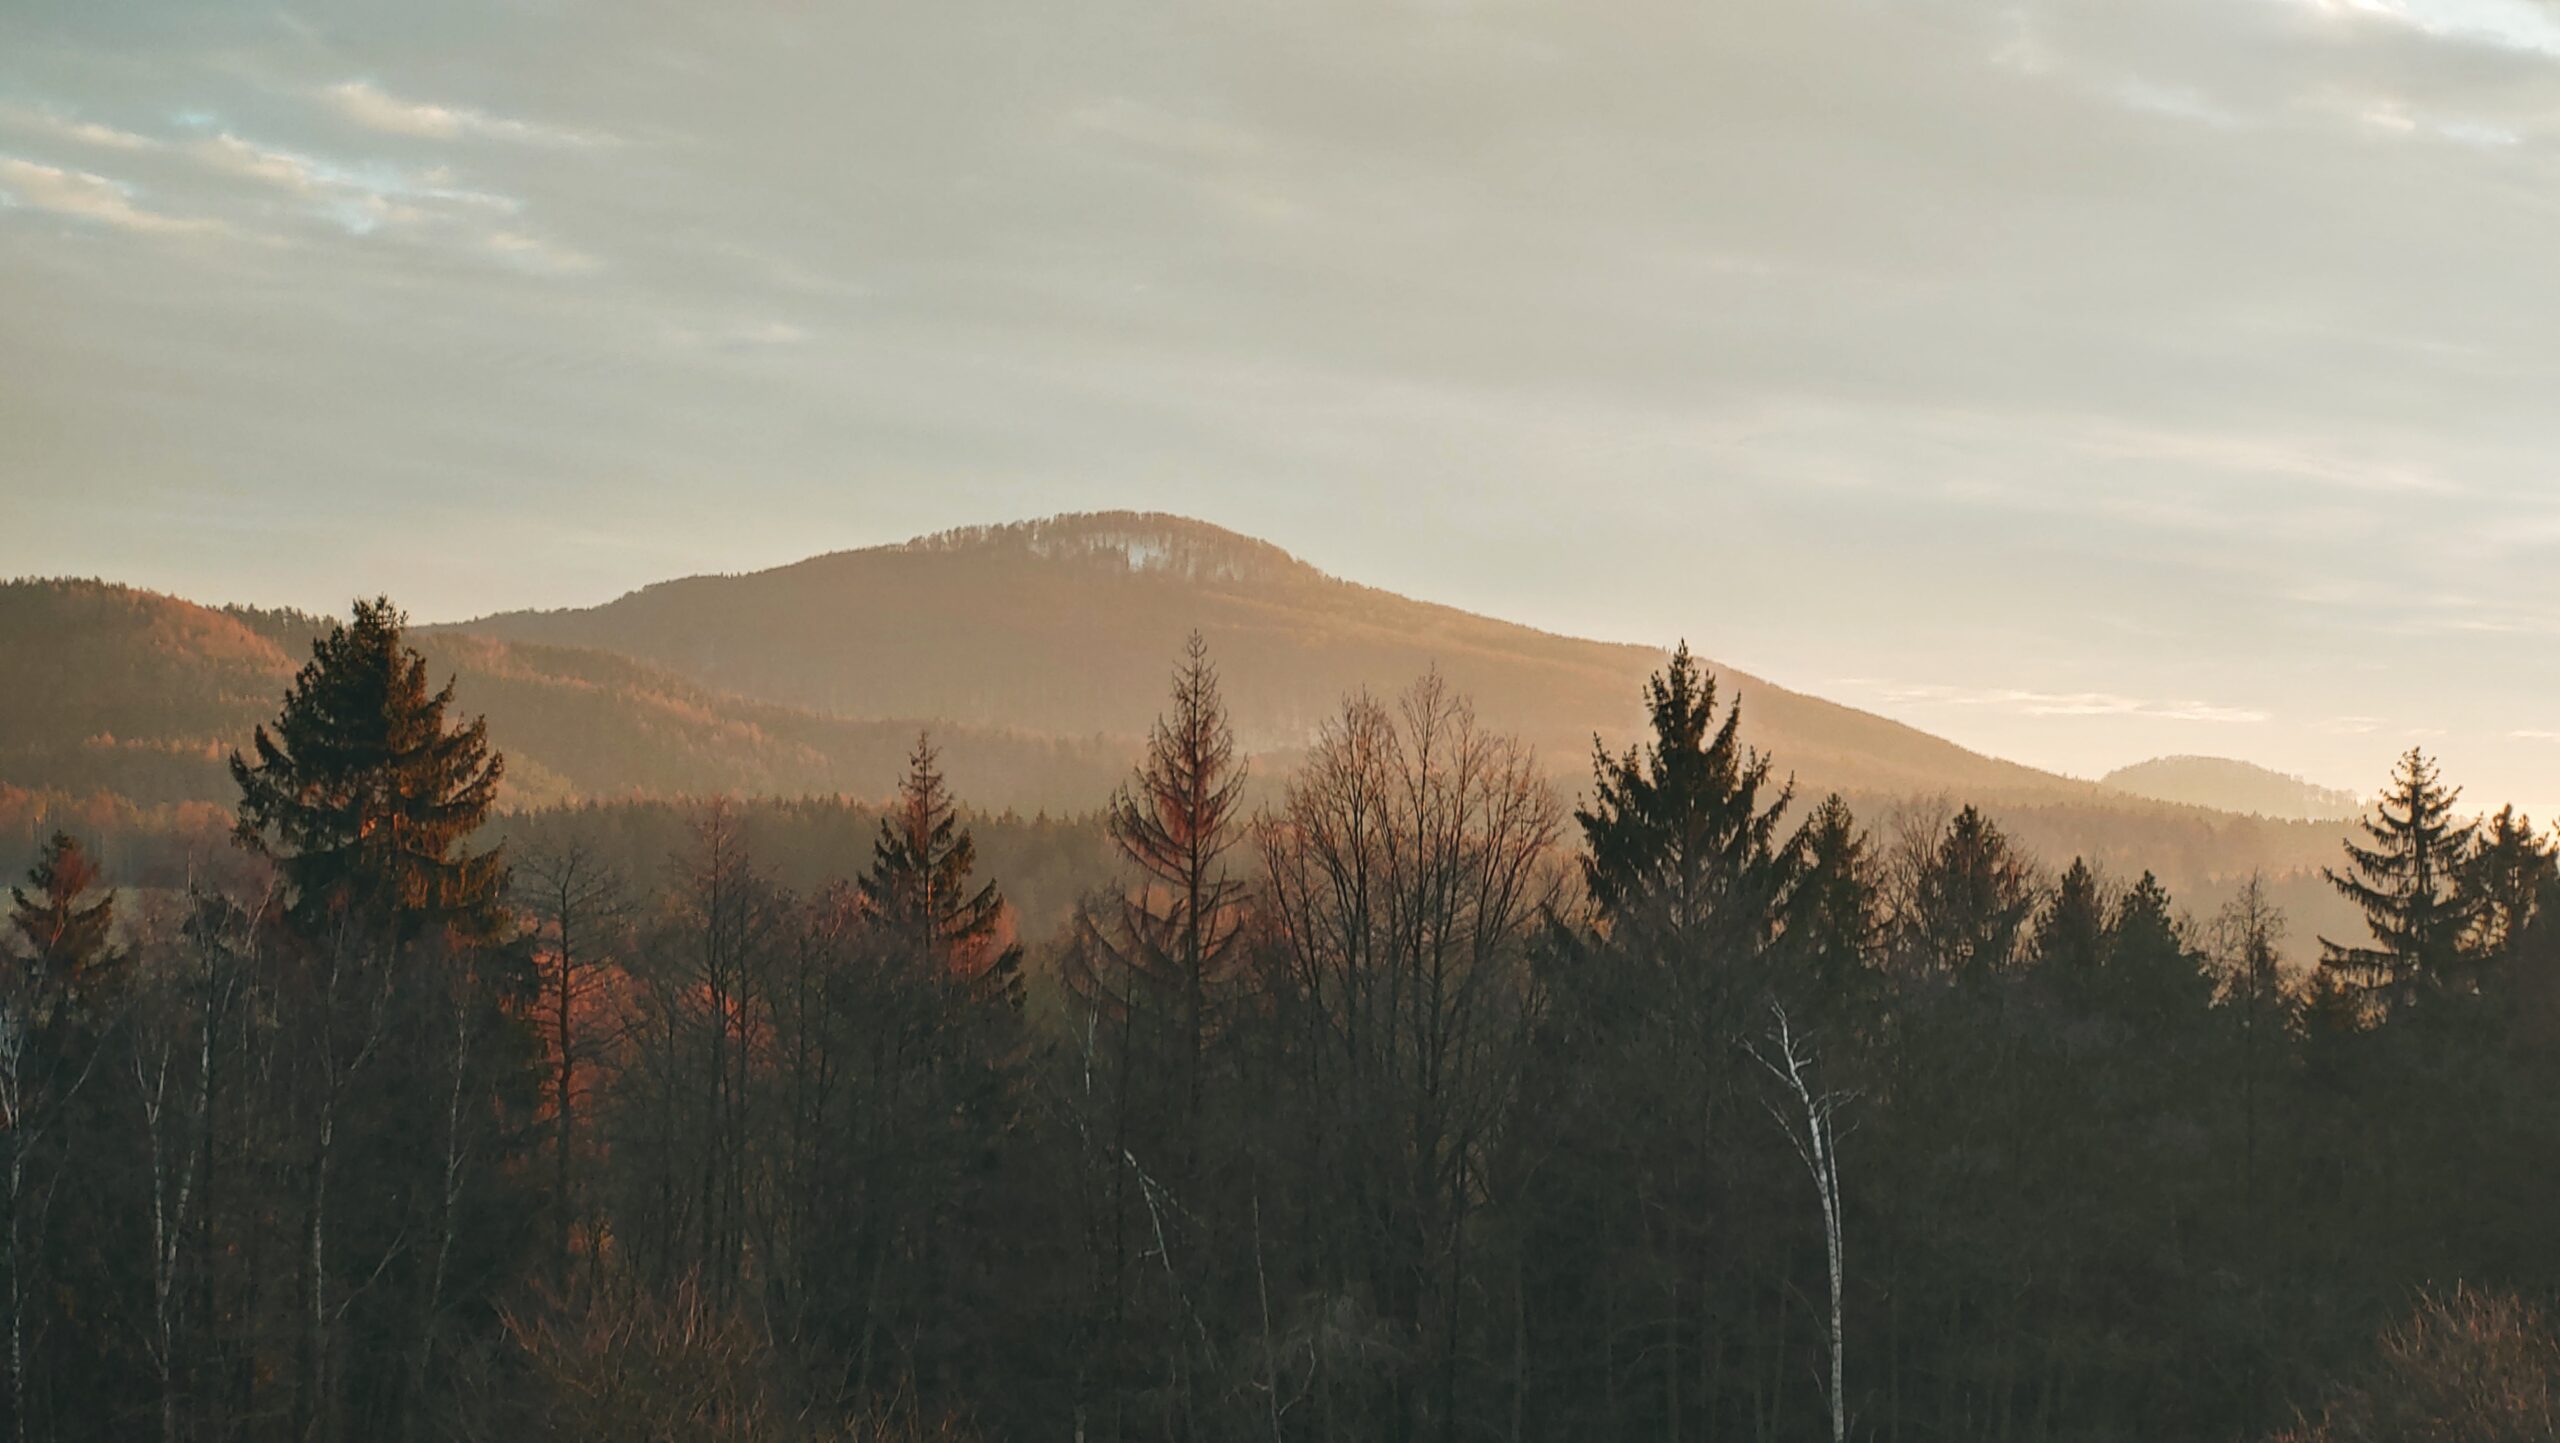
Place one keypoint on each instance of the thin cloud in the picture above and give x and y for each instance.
(81, 195)
(2521, 25)
(54, 125)
(533, 253)
(374, 108)
(358, 196)
(426, 207)
(2069, 704)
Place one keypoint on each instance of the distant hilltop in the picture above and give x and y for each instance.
(2233, 786)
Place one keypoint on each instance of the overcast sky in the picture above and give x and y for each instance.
(2080, 379)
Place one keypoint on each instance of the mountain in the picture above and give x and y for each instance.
(144, 696)
(1072, 624)
(2233, 786)
(1038, 654)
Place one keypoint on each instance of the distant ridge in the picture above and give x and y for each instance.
(1069, 625)
(1038, 654)
(2233, 786)
(142, 696)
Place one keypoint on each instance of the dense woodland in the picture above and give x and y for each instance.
(1398, 1097)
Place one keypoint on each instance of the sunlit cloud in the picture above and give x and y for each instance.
(374, 108)
(426, 206)
(358, 197)
(2523, 25)
(81, 195)
(2025, 702)
(54, 125)
(533, 253)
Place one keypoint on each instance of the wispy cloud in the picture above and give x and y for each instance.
(54, 125)
(2523, 25)
(428, 206)
(374, 108)
(2025, 702)
(359, 197)
(533, 253)
(81, 195)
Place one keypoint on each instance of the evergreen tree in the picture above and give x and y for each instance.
(50, 1047)
(2155, 974)
(405, 1064)
(917, 892)
(1682, 854)
(1831, 917)
(366, 799)
(2511, 872)
(68, 936)
(1164, 946)
(2072, 940)
(2408, 884)
(1152, 963)
(1967, 901)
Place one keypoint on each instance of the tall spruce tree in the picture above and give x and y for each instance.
(1682, 854)
(1831, 918)
(1163, 946)
(2512, 871)
(1968, 898)
(405, 1065)
(2408, 884)
(917, 892)
(2072, 938)
(366, 798)
(2154, 972)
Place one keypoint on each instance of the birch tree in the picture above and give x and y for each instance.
(1808, 1115)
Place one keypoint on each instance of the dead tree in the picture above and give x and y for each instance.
(1808, 1117)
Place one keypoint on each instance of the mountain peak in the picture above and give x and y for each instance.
(1150, 543)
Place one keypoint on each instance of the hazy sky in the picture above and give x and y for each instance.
(2084, 379)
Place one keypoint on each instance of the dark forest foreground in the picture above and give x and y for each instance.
(1410, 1105)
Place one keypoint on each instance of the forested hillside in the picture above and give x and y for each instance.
(1061, 626)
(141, 696)
(1029, 650)
(1400, 1099)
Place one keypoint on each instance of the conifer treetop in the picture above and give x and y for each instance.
(363, 793)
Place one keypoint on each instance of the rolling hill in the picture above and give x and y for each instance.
(2234, 786)
(143, 696)
(1071, 624)
(1038, 653)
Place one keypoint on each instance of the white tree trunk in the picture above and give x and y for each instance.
(1816, 1143)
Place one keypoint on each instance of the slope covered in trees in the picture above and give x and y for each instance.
(141, 696)
(1022, 645)
(1061, 625)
